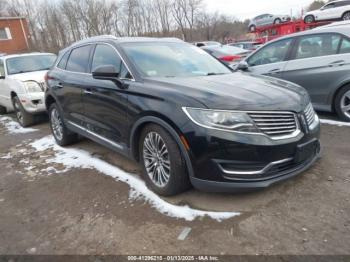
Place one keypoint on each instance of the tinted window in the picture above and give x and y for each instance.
(105, 55)
(329, 6)
(63, 62)
(343, 3)
(314, 46)
(79, 59)
(273, 53)
(31, 63)
(2, 68)
(345, 46)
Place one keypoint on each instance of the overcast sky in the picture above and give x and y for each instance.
(243, 9)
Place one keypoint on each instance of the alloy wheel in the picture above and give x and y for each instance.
(309, 19)
(345, 104)
(156, 159)
(346, 16)
(56, 124)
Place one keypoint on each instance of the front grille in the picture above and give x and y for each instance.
(310, 114)
(275, 124)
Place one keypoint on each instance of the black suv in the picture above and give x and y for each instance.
(186, 117)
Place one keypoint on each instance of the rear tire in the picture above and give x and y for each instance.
(164, 168)
(346, 16)
(62, 135)
(2, 110)
(309, 19)
(24, 118)
(342, 103)
(252, 28)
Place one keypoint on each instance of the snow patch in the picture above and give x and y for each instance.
(335, 123)
(77, 158)
(8, 156)
(14, 127)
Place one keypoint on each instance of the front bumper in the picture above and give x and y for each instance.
(225, 162)
(33, 102)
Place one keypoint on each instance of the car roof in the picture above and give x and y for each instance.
(124, 39)
(24, 54)
(337, 27)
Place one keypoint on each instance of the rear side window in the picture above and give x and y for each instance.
(345, 46)
(105, 55)
(79, 59)
(63, 62)
(317, 45)
(273, 53)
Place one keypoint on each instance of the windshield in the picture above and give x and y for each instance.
(172, 60)
(24, 64)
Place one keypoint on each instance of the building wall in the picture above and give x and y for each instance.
(17, 30)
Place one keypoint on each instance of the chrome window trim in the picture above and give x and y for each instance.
(97, 135)
(96, 43)
(292, 135)
(256, 172)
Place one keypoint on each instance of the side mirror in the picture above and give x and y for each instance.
(243, 66)
(108, 72)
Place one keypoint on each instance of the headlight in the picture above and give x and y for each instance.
(219, 119)
(32, 87)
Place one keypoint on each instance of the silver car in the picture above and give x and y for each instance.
(267, 19)
(318, 60)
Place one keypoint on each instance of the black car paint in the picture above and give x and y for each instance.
(117, 115)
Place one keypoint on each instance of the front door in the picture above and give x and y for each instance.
(105, 104)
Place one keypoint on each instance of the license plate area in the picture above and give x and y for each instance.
(306, 151)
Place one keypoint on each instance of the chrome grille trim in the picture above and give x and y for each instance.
(275, 123)
(310, 114)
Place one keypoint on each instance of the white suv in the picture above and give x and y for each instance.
(22, 84)
(335, 10)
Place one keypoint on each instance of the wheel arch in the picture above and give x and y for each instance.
(49, 100)
(337, 91)
(168, 125)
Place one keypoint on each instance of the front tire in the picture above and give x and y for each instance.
(164, 167)
(62, 135)
(23, 117)
(2, 110)
(277, 21)
(342, 103)
(309, 19)
(346, 16)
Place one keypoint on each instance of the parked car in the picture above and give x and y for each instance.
(318, 60)
(22, 84)
(336, 10)
(229, 55)
(186, 117)
(267, 19)
(247, 45)
(207, 43)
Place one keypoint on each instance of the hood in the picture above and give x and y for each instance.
(37, 76)
(241, 91)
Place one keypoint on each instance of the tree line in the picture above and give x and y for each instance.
(54, 25)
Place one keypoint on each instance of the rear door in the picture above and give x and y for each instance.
(105, 104)
(319, 64)
(71, 76)
(271, 59)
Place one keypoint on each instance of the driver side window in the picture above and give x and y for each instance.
(272, 53)
(2, 68)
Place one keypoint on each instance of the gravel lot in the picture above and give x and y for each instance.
(47, 208)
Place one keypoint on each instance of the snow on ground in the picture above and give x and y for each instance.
(335, 123)
(77, 158)
(14, 127)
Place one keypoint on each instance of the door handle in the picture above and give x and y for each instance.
(274, 71)
(337, 63)
(88, 91)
